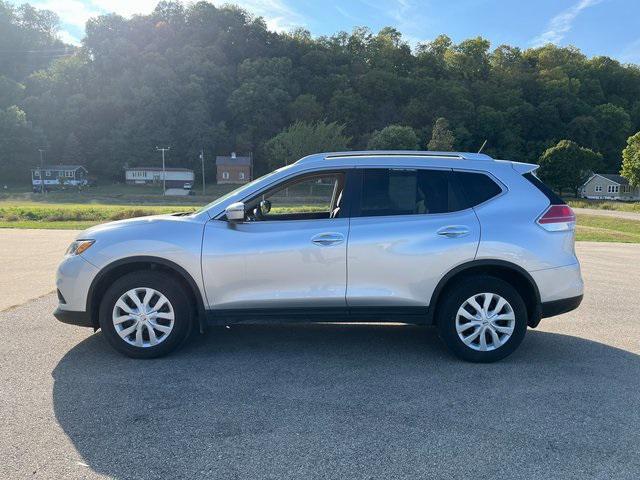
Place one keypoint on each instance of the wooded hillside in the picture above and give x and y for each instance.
(198, 76)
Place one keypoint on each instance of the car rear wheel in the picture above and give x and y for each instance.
(145, 314)
(482, 319)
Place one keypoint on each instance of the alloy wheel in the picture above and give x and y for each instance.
(485, 321)
(143, 317)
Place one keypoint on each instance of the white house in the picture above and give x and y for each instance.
(56, 176)
(175, 177)
(606, 186)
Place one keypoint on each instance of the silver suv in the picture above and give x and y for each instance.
(476, 246)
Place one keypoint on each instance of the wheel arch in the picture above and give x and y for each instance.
(510, 272)
(127, 265)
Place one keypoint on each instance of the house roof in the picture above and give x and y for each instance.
(60, 167)
(611, 177)
(619, 179)
(159, 169)
(228, 160)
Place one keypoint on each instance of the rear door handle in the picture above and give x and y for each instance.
(328, 239)
(453, 231)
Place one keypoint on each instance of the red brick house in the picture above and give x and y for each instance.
(234, 169)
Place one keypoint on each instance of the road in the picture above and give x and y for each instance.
(329, 401)
(28, 259)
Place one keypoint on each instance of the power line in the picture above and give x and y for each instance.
(52, 50)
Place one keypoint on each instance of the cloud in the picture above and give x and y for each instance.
(347, 15)
(278, 15)
(631, 52)
(410, 19)
(68, 37)
(561, 24)
(126, 8)
(71, 12)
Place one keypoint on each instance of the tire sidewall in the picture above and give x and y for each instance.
(465, 289)
(164, 284)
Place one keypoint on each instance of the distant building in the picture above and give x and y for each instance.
(233, 169)
(175, 177)
(57, 176)
(605, 186)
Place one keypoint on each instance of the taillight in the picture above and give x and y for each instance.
(557, 218)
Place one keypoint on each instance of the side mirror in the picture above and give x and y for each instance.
(235, 212)
(265, 206)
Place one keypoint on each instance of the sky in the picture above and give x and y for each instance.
(597, 27)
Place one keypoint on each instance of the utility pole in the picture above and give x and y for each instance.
(202, 159)
(164, 173)
(41, 150)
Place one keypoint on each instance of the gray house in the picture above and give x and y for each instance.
(174, 177)
(57, 176)
(605, 186)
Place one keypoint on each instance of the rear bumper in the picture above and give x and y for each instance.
(81, 319)
(559, 283)
(557, 307)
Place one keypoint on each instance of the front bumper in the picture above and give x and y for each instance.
(80, 319)
(73, 279)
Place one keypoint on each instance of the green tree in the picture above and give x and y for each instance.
(394, 137)
(615, 127)
(442, 137)
(200, 76)
(568, 165)
(72, 154)
(305, 108)
(301, 139)
(631, 160)
(18, 143)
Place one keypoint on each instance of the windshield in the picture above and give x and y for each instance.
(238, 191)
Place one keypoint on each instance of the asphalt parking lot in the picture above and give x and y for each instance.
(29, 259)
(331, 401)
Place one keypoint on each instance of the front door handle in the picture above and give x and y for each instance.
(453, 231)
(328, 239)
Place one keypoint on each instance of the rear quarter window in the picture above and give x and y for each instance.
(475, 188)
(553, 198)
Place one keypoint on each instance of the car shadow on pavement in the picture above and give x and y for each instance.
(351, 401)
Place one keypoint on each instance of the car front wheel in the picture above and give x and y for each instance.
(482, 319)
(145, 314)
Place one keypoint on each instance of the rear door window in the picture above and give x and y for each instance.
(406, 192)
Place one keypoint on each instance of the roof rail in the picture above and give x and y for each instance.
(400, 153)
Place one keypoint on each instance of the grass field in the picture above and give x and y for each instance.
(604, 205)
(116, 194)
(80, 216)
(607, 229)
(75, 216)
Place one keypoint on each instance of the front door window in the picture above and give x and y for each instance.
(317, 196)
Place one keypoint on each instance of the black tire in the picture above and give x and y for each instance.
(167, 286)
(456, 297)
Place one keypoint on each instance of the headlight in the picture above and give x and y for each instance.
(79, 246)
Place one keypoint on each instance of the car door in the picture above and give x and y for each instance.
(290, 252)
(408, 229)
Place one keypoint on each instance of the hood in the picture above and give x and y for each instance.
(134, 222)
